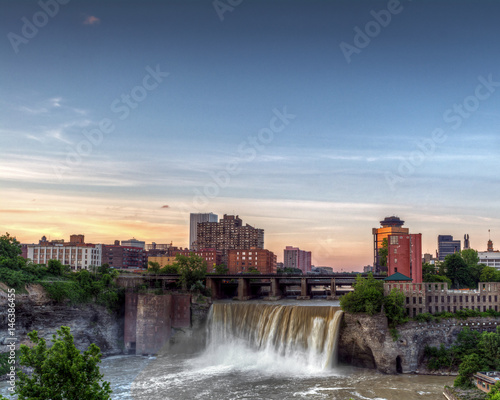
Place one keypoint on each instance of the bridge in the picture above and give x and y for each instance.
(245, 287)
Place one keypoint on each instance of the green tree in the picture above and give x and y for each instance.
(221, 269)
(60, 372)
(470, 257)
(489, 274)
(458, 272)
(55, 267)
(489, 345)
(367, 296)
(10, 250)
(394, 307)
(383, 252)
(428, 271)
(154, 267)
(469, 366)
(192, 269)
(170, 269)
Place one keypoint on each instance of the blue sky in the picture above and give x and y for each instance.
(349, 154)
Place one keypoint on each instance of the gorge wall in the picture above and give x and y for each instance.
(365, 341)
(89, 323)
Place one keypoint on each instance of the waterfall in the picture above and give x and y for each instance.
(300, 337)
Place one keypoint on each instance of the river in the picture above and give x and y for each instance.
(262, 359)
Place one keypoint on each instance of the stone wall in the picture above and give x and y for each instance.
(365, 341)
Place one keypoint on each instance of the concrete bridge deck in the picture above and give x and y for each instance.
(250, 285)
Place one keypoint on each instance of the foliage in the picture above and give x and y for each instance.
(489, 274)
(383, 252)
(4, 363)
(191, 268)
(394, 308)
(170, 269)
(458, 272)
(470, 257)
(10, 250)
(253, 271)
(154, 267)
(494, 393)
(61, 371)
(469, 366)
(367, 297)
(221, 269)
(55, 267)
(430, 273)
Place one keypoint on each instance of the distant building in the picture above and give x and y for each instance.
(405, 256)
(491, 258)
(429, 259)
(446, 246)
(162, 260)
(124, 257)
(243, 260)
(466, 241)
(134, 243)
(368, 268)
(228, 234)
(389, 226)
(293, 257)
(158, 246)
(78, 254)
(194, 220)
(212, 257)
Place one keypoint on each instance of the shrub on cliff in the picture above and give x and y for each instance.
(61, 371)
(367, 296)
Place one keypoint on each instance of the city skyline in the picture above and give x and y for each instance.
(311, 120)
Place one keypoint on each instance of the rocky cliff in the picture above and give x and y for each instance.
(365, 341)
(89, 323)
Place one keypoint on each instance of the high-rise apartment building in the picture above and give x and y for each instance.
(389, 226)
(405, 256)
(194, 220)
(228, 234)
(446, 246)
(293, 257)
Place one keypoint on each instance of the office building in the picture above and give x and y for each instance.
(293, 257)
(446, 246)
(389, 226)
(194, 220)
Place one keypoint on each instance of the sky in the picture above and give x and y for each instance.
(312, 120)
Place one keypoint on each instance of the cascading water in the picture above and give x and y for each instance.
(283, 337)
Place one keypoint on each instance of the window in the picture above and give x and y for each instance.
(395, 251)
(394, 240)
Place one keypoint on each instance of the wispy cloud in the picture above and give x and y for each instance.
(91, 20)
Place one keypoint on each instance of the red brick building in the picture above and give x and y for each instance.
(213, 257)
(405, 256)
(124, 257)
(242, 260)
